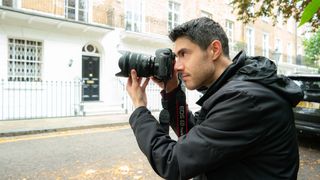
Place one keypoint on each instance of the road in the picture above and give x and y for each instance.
(106, 153)
(309, 148)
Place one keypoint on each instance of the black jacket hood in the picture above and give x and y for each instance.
(256, 69)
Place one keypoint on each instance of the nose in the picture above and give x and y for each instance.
(178, 66)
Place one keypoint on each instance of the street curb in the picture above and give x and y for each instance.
(39, 131)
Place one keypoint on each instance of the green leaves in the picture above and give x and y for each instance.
(300, 10)
(312, 49)
(309, 11)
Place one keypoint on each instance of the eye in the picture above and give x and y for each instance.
(183, 53)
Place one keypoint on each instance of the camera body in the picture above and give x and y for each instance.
(159, 66)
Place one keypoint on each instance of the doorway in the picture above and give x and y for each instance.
(90, 77)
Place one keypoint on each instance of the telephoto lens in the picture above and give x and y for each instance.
(143, 64)
(160, 66)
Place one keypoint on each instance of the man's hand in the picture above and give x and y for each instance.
(136, 91)
(171, 84)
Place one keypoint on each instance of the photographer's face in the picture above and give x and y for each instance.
(195, 65)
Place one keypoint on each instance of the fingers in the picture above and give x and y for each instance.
(134, 80)
(134, 77)
(145, 83)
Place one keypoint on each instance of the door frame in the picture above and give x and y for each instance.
(84, 81)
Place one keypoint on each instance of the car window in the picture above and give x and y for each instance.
(311, 89)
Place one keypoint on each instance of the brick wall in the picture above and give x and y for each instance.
(55, 7)
(156, 15)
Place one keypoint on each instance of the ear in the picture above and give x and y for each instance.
(215, 49)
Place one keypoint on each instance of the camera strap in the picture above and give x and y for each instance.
(181, 112)
(178, 119)
(164, 116)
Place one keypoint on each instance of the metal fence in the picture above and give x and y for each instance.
(50, 99)
(28, 100)
(153, 96)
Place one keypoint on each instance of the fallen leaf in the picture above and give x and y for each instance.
(90, 171)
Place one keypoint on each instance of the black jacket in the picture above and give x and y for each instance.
(244, 130)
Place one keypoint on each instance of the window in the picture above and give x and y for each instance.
(289, 53)
(206, 14)
(173, 16)
(76, 10)
(291, 25)
(25, 58)
(133, 9)
(265, 45)
(8, 3)
(251, 8)
(280, 20)
(228, 2)
(250, 42)
(278, 50)
(229, 31)
(90, 49)
(265, 19)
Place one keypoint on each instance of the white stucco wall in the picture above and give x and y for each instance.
(3, 54)
(111, 92)
(59, 48)
(60, 45)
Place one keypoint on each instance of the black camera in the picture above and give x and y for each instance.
(160, 66)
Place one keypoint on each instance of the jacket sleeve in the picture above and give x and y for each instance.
(227, 132)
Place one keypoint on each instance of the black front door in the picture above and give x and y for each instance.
(90, 77)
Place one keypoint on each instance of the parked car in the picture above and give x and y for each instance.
(307, 112)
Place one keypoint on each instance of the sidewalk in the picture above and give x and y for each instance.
(34, 126)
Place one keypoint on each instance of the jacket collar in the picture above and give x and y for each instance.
(238, 62)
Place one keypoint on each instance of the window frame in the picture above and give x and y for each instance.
(207, 14)
(171, 22)
(230, 32)
(77, 10)
(25, 57)
(265, 44)
(136, 25)
(250, 41)
(289, 53)
(278, 49)
(14, 3)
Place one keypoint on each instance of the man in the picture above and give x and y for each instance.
(245, 128)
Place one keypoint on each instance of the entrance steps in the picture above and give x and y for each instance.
(100, 108)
